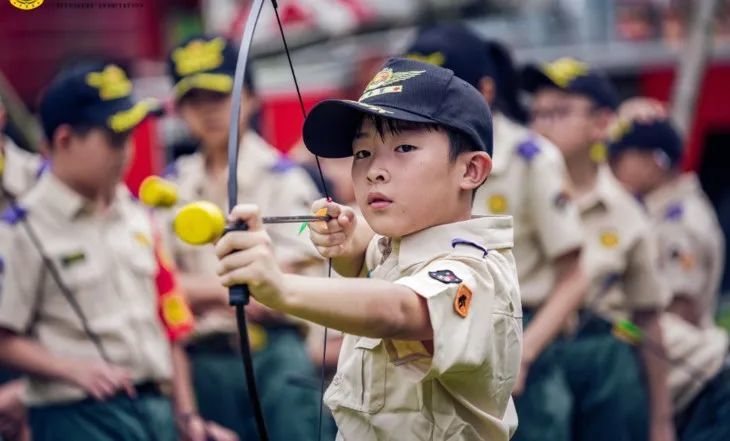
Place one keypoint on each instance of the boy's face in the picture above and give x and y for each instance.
(95, 160)
(571, 122)
(208, 114)
(405, 182)
(638, 170)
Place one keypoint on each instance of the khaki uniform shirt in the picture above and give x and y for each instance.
(691, 243)
(19, 172)
(696, 354)
(619, 254)
(107, 262)
(691, 258)
(529, 181)
(458, 388)
(266, 179)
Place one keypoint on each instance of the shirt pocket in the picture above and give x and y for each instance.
(79, 274)
(360, 383)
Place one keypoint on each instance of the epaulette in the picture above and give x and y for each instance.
(674, 212)
(469, 243)
(13, 214)
(283, 165)
(528, 150)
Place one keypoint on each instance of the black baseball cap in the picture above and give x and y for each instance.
(206, 62)
(454, 47)
(405, 90)
(657, 135)
(571, 76)
(93, 93)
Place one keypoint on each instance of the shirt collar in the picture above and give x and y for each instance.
(602, 190)
(66, 202)
(671, 192)
(488, 232)
(507, 135)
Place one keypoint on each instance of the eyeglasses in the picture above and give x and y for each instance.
(560, 112)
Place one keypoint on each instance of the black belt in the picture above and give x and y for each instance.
(152, 388)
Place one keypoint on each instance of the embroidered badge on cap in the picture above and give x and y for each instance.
(497, 204)
(383, 80)
(445, 276)
(462, 301)
(112, 83)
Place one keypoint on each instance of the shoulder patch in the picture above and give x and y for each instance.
(13, 214)
(283, 165)
(528, 150)
(462, 300)
(445, 276)
(170, 171)
(458, 241)
(674, 212)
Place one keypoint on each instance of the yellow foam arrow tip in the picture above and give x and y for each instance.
(199, 223)
(157, 192)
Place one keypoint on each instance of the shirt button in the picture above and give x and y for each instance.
(337, 380)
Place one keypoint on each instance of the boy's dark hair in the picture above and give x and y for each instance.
(116, 139)
(458, 142)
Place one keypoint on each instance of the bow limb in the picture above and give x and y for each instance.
(239, 295)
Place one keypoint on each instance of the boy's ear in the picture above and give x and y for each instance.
(61, 137)
(477, 166)
(488, 89)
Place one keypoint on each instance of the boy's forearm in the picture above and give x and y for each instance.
(566, 297)
(655, 366)
(367, 307)
(182, 382)
(202, 291)
(26, 355)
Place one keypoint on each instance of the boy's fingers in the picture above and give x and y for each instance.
(240, 240)
(325, 240)
(248, 213)
(240, 259)
(239, 276)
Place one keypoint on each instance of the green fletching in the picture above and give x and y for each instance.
(628, 331)
(302, 227)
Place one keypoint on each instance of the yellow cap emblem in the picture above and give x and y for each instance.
(198, 56)
(564, 70)
(435, 58)
(112, 83)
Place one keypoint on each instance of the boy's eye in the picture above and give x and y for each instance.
(361, 154)
(405, 148)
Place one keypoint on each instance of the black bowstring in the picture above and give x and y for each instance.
(329, 198)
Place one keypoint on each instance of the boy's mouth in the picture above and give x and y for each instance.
(378, 201)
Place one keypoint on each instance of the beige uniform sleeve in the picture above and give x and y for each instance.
(20, 273)
(460, 304)
(644, 289)
(682, 263)
(554, 214)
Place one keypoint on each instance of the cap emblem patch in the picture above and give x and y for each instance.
(198, 56)
(112, 83)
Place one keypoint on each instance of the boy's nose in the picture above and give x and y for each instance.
(378, 175)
